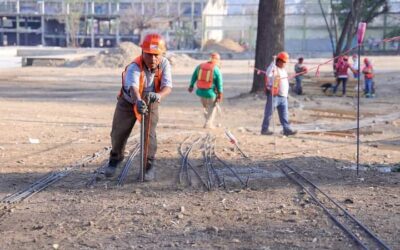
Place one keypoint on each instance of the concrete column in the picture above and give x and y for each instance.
(67, 25)
(192, 13)
(168, 9)
(17, 23)
(384, 29)
(304, 29)
(43, 23)
(117, 20)
(92, 41)
(92, 7)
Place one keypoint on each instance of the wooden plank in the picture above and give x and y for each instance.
(333, 133)
(333, 116)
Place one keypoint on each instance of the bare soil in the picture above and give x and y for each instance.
(69, 112)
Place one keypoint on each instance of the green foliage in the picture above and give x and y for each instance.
(369, 9)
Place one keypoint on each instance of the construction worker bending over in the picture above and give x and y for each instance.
(277, 90)
(368, 78)
(209, 87)
(145, 82)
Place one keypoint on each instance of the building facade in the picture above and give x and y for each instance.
(99, 23)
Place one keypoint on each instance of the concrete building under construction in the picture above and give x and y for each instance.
(95, 23)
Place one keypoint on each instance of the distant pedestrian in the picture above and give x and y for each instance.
(341, 67)
(368, 78)
(277, 90)
(300, 70)
(208, 79)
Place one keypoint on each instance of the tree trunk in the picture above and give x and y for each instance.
(349, 28)
(270, 37)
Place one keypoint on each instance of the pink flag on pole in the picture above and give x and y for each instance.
(361, 32)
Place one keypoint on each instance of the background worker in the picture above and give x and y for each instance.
(147, 80)
(300, 70)
(277, 90)
(341, 68)
(208, 79)
(368, 78)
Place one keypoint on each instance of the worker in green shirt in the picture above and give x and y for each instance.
(209, 87)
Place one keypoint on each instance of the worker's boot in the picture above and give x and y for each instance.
(150, 173)
(111, 168)
(266, 132)
(289, 132)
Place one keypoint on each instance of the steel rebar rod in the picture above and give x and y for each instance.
(230, 169)
(128, 164)
(338, 223)
(23, 190)
(185, 161)
(370, 233)
(47, 180)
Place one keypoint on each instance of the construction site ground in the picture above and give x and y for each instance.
(51, 118)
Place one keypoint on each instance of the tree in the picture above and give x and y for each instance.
(270, 37)
(72, 20)
(345, 16)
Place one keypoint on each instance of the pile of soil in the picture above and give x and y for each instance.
(225, 45)
(180, 59)
(124, 54)
(114, 58)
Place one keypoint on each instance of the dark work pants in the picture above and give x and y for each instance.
(338, 80)
(123, 122)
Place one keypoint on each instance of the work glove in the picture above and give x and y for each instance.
(153, 97)
(141, 107)
(190, 89)
(219, 97)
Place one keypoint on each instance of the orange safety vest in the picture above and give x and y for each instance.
(157, 81)
(367, 70)
(276, 84)
(205, 75)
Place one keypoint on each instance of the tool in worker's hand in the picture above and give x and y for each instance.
(218, 107)
(234, 141)
(142, 160)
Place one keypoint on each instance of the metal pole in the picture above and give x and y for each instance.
(360, 37)
(273, 103)
(358, 108)
(142, 149)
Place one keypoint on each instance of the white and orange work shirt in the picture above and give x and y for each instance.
(273, 72)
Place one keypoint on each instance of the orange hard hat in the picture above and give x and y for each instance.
(284, 56)
(215, 56)
(154, 44)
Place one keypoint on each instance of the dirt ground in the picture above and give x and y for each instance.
(51, 118)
